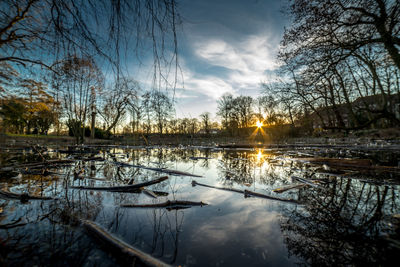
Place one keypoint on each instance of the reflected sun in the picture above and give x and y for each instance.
(259, 155)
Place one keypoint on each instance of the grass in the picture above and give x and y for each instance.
(37, 136)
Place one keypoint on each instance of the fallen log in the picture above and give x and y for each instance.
(194, 183)
(123, 188)
(23, 197)
(119, 248)
(289, 187)
(169, 204)
(255, 194)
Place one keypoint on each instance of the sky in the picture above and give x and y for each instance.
(225, 46)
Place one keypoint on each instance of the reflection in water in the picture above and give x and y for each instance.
(342, 221)
(343, 224)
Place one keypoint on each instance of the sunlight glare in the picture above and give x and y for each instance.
(259, 155)
(259, 124)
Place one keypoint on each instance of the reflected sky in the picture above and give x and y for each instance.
(233, 230)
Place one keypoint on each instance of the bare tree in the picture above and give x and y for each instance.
(162, 109)
(40, 32)
(205, 119)
(80, 76)
(115, 102)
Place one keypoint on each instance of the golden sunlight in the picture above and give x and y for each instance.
(259, 155)
(259, 124)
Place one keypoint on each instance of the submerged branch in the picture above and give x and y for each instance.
(289, 187)
(246, 193)
(119, 248)
(123, 188)
(194, 183)
(168, 171)
(170, 204)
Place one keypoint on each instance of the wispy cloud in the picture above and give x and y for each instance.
(227, 47)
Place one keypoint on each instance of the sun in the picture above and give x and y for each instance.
(259, 124)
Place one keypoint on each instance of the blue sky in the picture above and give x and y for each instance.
(225, 46)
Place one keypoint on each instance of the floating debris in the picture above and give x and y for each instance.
(170, 204)
(123, 188)
(289, 187)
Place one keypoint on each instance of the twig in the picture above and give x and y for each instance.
(12, 225)
(149, 193)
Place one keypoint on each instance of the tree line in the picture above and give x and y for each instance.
(341, 64)
(340, 69)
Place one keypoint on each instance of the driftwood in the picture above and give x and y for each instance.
(163, 170)
(289, 187)
(305, 181)
(119, 248)
(23, 197)
(196, 158)
(246, 193)
(160, 193)
(170, 204)
(194, 183)
(255, 194)
(123, 188)
(149, 193)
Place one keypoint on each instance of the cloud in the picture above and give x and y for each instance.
(254, 55)
(236, 68)
(225, 47)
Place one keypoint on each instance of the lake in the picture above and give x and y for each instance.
(343, 208)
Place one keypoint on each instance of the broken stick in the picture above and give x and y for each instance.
(170, 204)
(289, 187)
(246, 192)
(123, 188)
(168, 171)
(123, 250)
(305, 181)
(255, 194)
(194, 183)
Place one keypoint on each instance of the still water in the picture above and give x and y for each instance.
(349, 215)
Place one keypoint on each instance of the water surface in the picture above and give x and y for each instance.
(350, 217)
